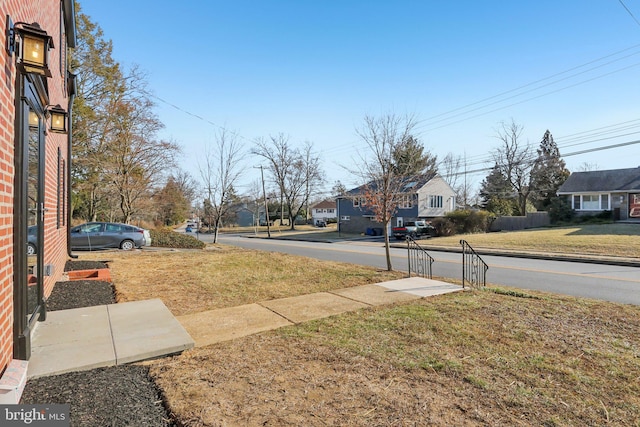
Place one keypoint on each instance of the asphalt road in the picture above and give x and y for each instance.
(598, 281)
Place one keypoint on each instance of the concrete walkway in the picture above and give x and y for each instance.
(224, 324)
(107, 335)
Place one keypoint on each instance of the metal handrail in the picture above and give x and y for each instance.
(474, 269)
(419, 258)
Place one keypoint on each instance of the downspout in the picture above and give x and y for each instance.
(71, 33)
(72, 96)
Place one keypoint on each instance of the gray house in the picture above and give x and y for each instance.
(616, 190)
(427, 197)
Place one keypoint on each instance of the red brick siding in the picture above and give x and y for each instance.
(47, 14)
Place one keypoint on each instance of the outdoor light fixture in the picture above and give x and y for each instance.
(58, 119)
(33, 119)
(32, 47)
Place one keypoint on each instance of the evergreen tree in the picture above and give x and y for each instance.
(497, 194)
(409, 159)
(171, 203)
(549, 172)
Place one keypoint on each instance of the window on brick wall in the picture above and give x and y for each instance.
(64, 192)
(59, 191)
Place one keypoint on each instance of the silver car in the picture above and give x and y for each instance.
(100, 235)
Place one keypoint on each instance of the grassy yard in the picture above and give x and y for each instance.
(608, 240)
(491, 357)
(621, 240)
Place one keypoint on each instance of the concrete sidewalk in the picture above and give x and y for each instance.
(224, 324)
(104, 335)
(107, 335)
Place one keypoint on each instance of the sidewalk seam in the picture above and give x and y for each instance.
(276, 313)
(113, 340)
(333, 292)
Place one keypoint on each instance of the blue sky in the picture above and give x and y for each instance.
(313, 69)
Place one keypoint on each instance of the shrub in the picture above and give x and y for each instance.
(470, 221)
(444, 227)
(560, 210)
(167, 238)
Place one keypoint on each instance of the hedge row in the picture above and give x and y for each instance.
(167, 238)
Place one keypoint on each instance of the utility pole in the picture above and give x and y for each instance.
(266, 205)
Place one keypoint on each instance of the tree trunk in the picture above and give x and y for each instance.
(387, 251)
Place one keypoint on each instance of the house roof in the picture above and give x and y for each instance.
(412, 185)
(600, 181)
(325, 204)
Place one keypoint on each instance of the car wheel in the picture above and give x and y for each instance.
(31, 249)
(127, 245)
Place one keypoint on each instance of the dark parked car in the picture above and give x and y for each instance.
(99, 235)
(32, 240)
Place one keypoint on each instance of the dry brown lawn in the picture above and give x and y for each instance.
(493, 357)
(621, 240)
(466, 359)
(191, 281)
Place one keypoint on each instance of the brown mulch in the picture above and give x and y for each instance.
(121, 395)
(75, 265)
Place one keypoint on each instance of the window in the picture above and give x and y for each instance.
(90, 228)
(345, 218)
(591, 202)
(435, 201)
(59, 192)
(117, 228)
(358, 201)
(330, 210)
(406, 202)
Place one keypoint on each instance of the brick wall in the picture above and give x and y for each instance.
(47, 14)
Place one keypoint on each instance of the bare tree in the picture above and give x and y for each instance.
(515, 159)
(384, 181)
(294, 171)
(219, 173)
(453, 170)
(186, 184)
(587, 167)
(136, 161)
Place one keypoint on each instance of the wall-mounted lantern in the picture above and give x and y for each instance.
(33, 119)
(32, 44)
(58, 119)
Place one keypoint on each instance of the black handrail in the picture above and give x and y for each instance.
(419, 259)
(474, 269)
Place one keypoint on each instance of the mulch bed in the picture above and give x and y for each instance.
(80, 293)
(85, 265)
(121, 395)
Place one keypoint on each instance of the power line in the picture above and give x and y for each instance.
(535, 97)
(500, 95)
(629, 12)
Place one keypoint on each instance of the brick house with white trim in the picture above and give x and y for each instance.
(35, 103)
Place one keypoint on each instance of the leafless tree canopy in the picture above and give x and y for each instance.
(514, 159)
(296, 172)
(384, 181)
(220, 171)
(452, 170)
